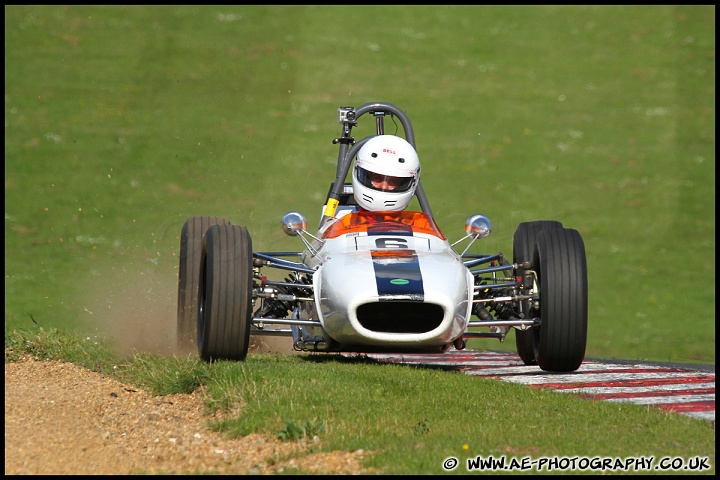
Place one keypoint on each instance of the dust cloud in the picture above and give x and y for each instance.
(134, 306)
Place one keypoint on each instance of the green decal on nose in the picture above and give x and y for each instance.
(399, 281)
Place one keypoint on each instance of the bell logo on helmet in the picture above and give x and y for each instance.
(390, 151)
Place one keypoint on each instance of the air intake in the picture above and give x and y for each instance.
(400, 316)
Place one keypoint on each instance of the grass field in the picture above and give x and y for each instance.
(122, 121)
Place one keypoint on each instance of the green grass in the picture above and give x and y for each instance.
(122, 121)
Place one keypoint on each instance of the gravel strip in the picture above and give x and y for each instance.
(63, 419)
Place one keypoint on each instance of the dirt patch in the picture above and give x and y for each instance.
(63, 419)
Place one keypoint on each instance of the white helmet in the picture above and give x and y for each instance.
(386, 174)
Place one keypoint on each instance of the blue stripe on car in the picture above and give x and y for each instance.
(397, 268)
(399, 275)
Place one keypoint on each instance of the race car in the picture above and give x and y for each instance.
(382, 281)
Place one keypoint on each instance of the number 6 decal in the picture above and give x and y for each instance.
(391, 243)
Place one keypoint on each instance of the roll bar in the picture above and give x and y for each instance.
(348, 117)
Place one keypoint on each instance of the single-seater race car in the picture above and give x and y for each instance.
(382, 281)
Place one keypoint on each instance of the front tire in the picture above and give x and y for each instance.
(562, 276)
(225, 294)
(189, 278)
(524, 242)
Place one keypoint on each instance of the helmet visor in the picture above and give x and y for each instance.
(384, 183)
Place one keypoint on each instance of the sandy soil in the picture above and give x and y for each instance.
(63, 419)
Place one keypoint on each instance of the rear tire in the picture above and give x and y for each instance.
(225, 294)
(524, 242)
(562, 275)
(189, 278)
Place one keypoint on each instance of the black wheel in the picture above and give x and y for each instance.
(562, 275)
(189, 278)
(524, 242)
(225, 294)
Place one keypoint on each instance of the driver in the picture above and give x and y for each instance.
(384, 179)
(386, 174)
